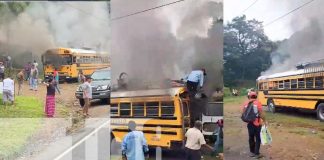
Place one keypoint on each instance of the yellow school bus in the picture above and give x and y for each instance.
(301, 89)
(70, 61)
(162, 114)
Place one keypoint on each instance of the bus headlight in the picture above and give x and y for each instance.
(104, 87)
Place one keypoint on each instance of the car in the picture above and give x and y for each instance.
(213, 112)
(100, 84)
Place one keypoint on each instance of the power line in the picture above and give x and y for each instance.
(88, 13)
(135, 13)
(249, 6)
(289, 13)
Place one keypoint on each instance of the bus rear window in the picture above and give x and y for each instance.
(125, 109)
(167, 109)
(138, 109)
(318, 82)
(152, 109)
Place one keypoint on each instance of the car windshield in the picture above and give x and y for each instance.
(101, 75)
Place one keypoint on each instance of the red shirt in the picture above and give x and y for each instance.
(258, 105)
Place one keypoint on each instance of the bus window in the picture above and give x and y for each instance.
(138, 109)
(167, 109)
(152, 109)
(301, 83)
(281, 84)
(125, 109)
(310, 82)
(318, 82)
(261, 86)
(114, 109)
(294, 84)
(276, 85)
(287, 84)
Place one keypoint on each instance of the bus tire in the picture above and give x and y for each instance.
(320, 112)
(271, 106)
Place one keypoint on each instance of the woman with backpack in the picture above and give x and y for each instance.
(254, 116)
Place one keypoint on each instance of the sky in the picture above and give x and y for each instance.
(266, 11)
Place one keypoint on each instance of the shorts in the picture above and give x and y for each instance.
(7, 96)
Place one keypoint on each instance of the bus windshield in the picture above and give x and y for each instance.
(101, 75)
(56, 59)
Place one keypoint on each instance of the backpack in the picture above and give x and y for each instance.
(249, 115)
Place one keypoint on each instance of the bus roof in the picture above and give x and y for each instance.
(148, 93)
(282, 74)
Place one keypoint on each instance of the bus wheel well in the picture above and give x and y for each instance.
(318, 103)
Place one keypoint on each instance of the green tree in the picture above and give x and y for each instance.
(246, 50)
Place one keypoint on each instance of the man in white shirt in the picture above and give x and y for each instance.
(195, 140)
(8, 90)
(87, 95)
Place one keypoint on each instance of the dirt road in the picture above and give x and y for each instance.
(295, 136)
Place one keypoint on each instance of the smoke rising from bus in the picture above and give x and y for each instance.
(306, 44)
(167, 43)
(47, 25)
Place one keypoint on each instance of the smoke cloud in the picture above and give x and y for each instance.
(306, 44)
(47, 25)
(167, 43)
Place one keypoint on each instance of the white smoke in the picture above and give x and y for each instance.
(46, 25)
(306, 44)
(168, 42)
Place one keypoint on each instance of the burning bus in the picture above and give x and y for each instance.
(302, 88)
(70, 62)
(164, 115)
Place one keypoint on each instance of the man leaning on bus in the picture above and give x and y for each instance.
(194, 141)
(195, 79)
(134, 144)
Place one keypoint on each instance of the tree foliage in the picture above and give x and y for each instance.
(246, 50)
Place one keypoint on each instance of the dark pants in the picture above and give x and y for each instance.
(192, 87)
(193, 154)
(254, 138)
(81, 100)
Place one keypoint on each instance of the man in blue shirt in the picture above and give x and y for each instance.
(134, 144)
(194, 79)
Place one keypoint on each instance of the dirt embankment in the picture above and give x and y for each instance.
(297, 136)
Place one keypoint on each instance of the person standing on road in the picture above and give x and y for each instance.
(195, 79)
(50, 98)
(254, 126)
(194, 141)
(35, 64)
(8, 90)
(134, 146)
(87, 95)
(218, 146)
(2, 71)
(27, 71)
(34, 78)
(20, 79)
(56, 78)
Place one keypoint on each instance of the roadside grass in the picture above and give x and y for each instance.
(115, 157)
(24, 107)
(296, 123)
(17, 124)
(15, 133)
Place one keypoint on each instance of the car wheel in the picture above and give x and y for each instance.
(320, 112)
(271, 106)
